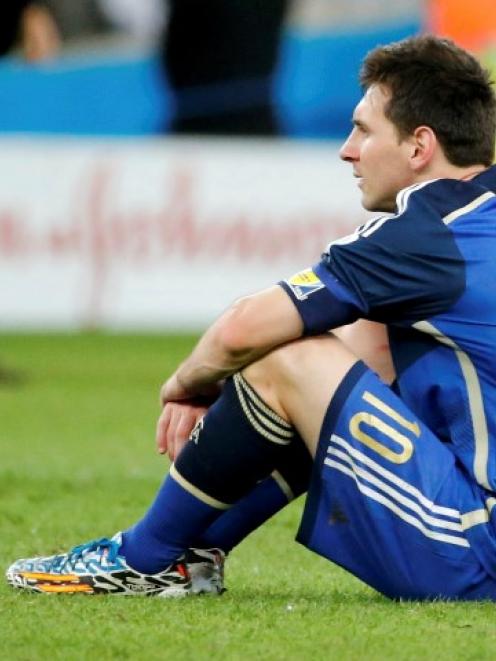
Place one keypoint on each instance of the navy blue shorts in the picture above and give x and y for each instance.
(389, 502)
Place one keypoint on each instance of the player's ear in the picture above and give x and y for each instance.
(423, 143)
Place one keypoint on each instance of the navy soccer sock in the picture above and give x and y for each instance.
(236, 445)
(290, 479)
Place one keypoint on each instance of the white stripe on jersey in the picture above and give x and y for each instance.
(476, 517)
(374, 224)
(413, 521)
(374, 487)
(404, 501)
(468, 207)
(363, 230)
(490, 503)
(404, 195)
(394, 479)
(379, 223)
(475, 402)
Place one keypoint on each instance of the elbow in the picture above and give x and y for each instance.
(234, 333)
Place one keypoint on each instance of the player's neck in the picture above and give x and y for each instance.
(473, 172)
(449, 171)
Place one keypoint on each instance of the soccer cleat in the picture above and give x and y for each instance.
(206, 569)
(97, 568)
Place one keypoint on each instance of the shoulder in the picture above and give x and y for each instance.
(419, 211)
(445, 199)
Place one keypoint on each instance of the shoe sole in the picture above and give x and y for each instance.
(71, 584)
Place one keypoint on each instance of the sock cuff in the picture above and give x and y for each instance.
(240, 442)
(194, 491)
(262, 418)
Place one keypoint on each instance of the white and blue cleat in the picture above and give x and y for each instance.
(97, 568)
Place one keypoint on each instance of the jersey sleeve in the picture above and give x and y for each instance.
(323, 303)
(397, 269)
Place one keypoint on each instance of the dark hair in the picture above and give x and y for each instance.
(435, 83)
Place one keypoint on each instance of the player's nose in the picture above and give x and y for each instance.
(348, 151)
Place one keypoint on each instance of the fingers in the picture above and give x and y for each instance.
(175, 425)
(163, 424)
(185, 422)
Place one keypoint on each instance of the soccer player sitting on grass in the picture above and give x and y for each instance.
(402, 490)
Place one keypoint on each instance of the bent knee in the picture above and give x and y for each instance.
(299, 379)
(299, 361)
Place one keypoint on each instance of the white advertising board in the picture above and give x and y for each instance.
(159, 234)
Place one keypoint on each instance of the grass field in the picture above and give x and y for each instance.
(77, 461)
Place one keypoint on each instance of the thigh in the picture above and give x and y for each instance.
(368, 341)
(386, 499)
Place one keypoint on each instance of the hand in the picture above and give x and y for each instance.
(174, 391)
(175, 425)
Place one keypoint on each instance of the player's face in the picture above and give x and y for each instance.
(380, 159)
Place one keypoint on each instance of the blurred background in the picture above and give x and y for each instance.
(159, 158)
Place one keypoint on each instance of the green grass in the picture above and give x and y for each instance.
(77, 461)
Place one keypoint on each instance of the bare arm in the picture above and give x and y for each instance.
(246, 331)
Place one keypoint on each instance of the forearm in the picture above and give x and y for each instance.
(211, 362)
(247, 331)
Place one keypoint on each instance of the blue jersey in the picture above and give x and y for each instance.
(429, 274)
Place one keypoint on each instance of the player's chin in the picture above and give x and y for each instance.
(375, 204)
(368, 202)
(366, 198)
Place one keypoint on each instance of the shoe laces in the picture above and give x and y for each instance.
(111, 546)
